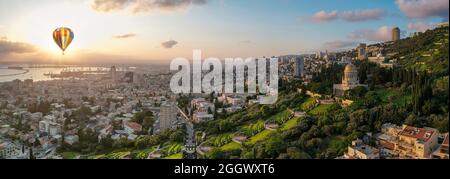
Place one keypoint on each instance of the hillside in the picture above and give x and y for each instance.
(427, 51)
(415, 93)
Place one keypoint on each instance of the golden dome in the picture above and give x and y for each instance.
(350, 68)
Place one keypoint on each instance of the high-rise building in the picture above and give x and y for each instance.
(319, 55)
(113, 72)
(362, 55)
(395, 34)
(167, 116)
(299, 66)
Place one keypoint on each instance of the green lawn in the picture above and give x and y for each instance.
(385, 94)
(396, 96)
(308, 104)
(97, 156)
(231, 146)
(321, 109)
(290, 124)
(118, 155)
(259, 137)
(69, 155)
(175, 156)
(143, 154)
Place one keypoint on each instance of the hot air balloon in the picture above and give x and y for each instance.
(63, 37)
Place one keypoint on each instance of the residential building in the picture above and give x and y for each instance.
(71, 139)
(417, 142)
(299, 66)
(132, 127)
(199, 117)
(442, 152)
(167, 116)
(51, 128)
(359, 150)
(407, 141)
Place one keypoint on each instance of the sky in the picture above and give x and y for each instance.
(161, 30)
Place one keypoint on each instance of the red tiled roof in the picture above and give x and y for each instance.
(134, 126)
(418, 133)
(387, 145)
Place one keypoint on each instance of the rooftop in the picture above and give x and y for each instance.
(134, 126)
(421, 134)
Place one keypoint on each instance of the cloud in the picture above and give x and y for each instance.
(245, 42)
(349, 16)
(363, 15)
(383, 33)
(169, 44)
(323, 16)
(138, 6)
(109, 5)
(424, 8)
(339, 45)
(124, 36)
(8, 47)
(420, 26)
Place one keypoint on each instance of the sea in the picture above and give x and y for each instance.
(38, 72)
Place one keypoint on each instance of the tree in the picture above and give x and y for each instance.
(225, 125)
(140, 116)
(148, 122)
(266, 110)
(141, 142)
(358, 92)
(372, 99)
(177, 136)
(107, 142)
(216, 153)
(274, 145)
(295, 153)
(412, 120)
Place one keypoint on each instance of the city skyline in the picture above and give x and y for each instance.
(150, 31)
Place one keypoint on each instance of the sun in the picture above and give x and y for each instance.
(37, 26)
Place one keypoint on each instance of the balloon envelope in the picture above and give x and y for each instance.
(63, 37)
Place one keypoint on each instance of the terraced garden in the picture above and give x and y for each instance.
(290, 124)
(253, 129)
(259, 137)
(175, 156)
(231, 146)
(221, 140)
(281, 117)
(172, 148)
(256, 131)
(320, 110)
(308, 104)
(117, 155)
(143, 154)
